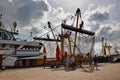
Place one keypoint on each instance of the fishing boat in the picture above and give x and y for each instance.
(18, 52)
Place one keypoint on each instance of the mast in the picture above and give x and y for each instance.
(14, 25)
(58, 52)
(1, 20)
(103, 48)
(77, 14)
(109, 48)
(76, 30)
(49, 25)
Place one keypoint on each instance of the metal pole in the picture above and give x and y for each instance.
(77, 14)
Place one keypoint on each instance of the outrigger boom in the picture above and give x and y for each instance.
(46, 39)
(77, 30)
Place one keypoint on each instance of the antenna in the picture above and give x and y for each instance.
(31, 36)
(0, 19)
(14, 25)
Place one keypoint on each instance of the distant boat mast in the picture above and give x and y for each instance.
(116, 49)
(105, 47)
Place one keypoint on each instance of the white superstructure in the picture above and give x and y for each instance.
(10, 46)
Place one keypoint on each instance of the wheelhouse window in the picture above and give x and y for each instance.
(30, 48)
(3, 36)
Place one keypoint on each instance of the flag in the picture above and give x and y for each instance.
(44, 59)
(104, 51)
(57, 53)
(44, 50)
(65, 55)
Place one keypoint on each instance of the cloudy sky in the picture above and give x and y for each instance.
(100, 16)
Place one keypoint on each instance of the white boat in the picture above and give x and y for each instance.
(16, 49)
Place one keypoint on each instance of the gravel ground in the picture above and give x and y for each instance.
(106, 71)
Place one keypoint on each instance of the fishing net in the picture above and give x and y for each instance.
(85, 43)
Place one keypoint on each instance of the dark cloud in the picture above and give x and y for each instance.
(35, 30)
(23, 10)
(104, 20)
(30, 10)
(103, 32)
(98, 16)
(109, 33)
(94, 26)
(115, 11)
(114, 7)
(7, 10)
